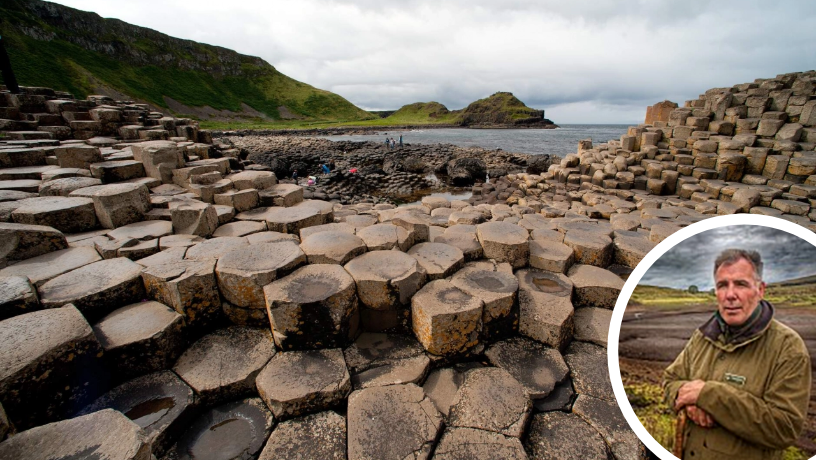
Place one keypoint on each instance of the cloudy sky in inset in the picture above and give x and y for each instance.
(691, 262)
(583, 61)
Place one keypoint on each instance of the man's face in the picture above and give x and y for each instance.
(738, 291)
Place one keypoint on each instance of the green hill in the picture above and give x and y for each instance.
(800, 292)
(422, 112)
(70, 50)
(499, 109)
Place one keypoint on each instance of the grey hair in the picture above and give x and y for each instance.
(731, 256)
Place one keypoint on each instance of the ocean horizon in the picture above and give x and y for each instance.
(560, 142)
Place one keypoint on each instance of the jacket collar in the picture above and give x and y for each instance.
(730, 338)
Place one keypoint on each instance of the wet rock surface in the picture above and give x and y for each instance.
(231, 430)
(160, 403)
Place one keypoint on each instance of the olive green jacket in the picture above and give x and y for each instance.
(757, 391)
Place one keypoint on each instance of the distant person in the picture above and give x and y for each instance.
(743, 379)
(294, 176)
(325, 169)
(400, 140)
(393, 143)
(388, 143)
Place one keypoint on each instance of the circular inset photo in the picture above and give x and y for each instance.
(712, 342)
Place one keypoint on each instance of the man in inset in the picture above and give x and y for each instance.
(743, 378)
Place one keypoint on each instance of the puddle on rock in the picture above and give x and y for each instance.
(147, 413)
(228, 439)
(547, 285)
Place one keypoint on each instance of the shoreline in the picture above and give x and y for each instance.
(364, 130)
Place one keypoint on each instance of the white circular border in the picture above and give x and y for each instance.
(634, 279)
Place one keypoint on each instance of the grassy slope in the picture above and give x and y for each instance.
(64, 66)
(786, 294)
(498, 108)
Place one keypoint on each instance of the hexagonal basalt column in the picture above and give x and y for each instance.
(314, 307)
(118, 204)
(96, 289)
(284, 195)
(595, 287)
(47, 364)
(321, 435)
(384, 236)
(160, 403)
(498, 291)
(160, 158)
(464, 241)
(377, 359)
(439, 260)
(504, 242)
(468, 443)
(446, 320)
(22, 242)
(332, 247)
(194, 218)
(141, 338)
(223, 365)
(17, 296)
(545, 307)
(291, 220)
(234, 430)
(395, 421)
(189, 287)
(215, 248)
(592, 325)
(551, 256)
(66, 214)
(537, 367)
(295, 383)
(386, 279)
(590, 248)
(242, 273)
(565, 436)
(105, 434)
(479, 405)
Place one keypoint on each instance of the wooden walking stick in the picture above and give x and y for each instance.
(679, 429)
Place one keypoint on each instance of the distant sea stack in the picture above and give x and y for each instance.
(500, 110)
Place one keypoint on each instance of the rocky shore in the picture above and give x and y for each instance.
(382, 175)
(163, 293)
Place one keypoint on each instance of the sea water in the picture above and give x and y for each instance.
(560, 141)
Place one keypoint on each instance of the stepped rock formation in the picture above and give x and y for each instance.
(150, 270)
(382, 331)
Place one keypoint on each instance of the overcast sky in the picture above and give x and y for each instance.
(583, 61)
(691, 262)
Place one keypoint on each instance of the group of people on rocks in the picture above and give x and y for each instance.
(390, 143)
(325, 168)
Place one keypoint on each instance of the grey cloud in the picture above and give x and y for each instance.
(613, 57)
(691, 262)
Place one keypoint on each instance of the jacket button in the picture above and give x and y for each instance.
(691, 453)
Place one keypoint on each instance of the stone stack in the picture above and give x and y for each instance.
(745, 148)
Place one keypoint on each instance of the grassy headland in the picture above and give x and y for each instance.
(79, 52)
